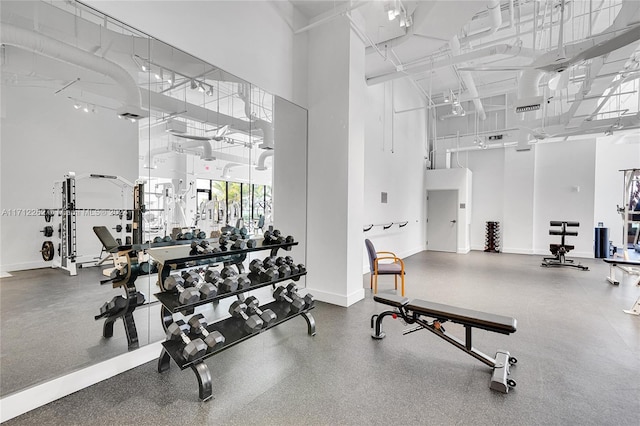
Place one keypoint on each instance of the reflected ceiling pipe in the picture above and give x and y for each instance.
(227, 169)
(265, 126)
(261, 160)
(468, 81)
(40, 44)
(206, 155)
(148, 160)
(495, 21)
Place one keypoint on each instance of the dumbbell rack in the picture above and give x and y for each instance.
(492, 239)
(172, 258)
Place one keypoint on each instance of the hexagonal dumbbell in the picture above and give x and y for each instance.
(264, 275)
(193, 349)
(280, 294)
(213, 339)
(292, 291)
(239, 245)
(186, 295)
(228, 285)
(243, 281)
(212, 276)
(252, 323)
(267, 316)
(190, 278)
(228, 271)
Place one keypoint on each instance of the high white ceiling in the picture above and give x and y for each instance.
(527, 31)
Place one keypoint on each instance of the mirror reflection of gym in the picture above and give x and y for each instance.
(118, 112)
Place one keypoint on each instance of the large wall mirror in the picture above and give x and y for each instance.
(104, 126)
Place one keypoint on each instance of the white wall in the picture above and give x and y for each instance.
(526, 190)
(395, 135)
(34, 156)
(564, 191)
(251, 39)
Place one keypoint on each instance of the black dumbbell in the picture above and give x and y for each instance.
(186, 295)
(167, 239)
(200, 248)
(190, 278)
(228, 285)
(223, 240)
(193, 349)
(280, 294)
(264, 275)
(213, 339)
(228, 271)
(284, 271)
(201, 235)
(206, 289)
(212, 276)
(292, 291)
(243, 281)
(157, 239)
(239, 245)
(269, 261)
(251, 244)
(267, 316)
(252, 323)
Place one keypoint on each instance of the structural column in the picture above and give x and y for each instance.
(336, 163)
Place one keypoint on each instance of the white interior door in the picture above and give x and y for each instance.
(442, 220)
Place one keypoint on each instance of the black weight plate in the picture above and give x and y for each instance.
(47, 251)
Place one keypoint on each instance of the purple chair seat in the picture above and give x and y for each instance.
(389, 269)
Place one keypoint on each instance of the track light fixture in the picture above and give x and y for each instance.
(193, 85)
(201, 88)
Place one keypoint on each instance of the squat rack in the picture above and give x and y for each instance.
(68, 211)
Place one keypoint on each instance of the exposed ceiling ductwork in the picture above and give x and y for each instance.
(40, 44)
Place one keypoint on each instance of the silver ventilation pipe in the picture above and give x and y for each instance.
(261, 160)
(38, 43)
(468, 81)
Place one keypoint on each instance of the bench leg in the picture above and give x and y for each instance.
(500, 378)
(612, 274)
(376, 324)
(635, 309)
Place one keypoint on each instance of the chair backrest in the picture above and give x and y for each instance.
(372, 253)
(108, 242)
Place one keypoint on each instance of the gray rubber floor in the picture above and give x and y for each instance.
(578, 360)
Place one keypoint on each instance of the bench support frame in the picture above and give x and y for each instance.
(500, 380)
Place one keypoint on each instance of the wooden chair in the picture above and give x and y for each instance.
(395, 268)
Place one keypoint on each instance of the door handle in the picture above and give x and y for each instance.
(453, 221)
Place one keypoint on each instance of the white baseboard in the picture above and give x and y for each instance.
(5, 274)
(517, 250)
(36, 396)
(465, 250)
(337, 299)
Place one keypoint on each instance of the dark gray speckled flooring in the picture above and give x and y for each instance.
(578, 353)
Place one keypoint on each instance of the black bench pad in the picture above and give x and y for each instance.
(391, 300)
(623, 262)
(486, 321)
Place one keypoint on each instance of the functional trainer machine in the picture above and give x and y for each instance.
(414, 311)
(631, 201)
(560, 250)
(69, 211)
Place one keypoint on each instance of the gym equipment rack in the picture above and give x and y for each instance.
(492, 239)
(178, 257)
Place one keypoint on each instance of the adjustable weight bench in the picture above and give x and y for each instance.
(631, 267)
(413, 311)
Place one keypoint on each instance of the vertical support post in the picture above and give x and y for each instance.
(138, 210)
(467, 333)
